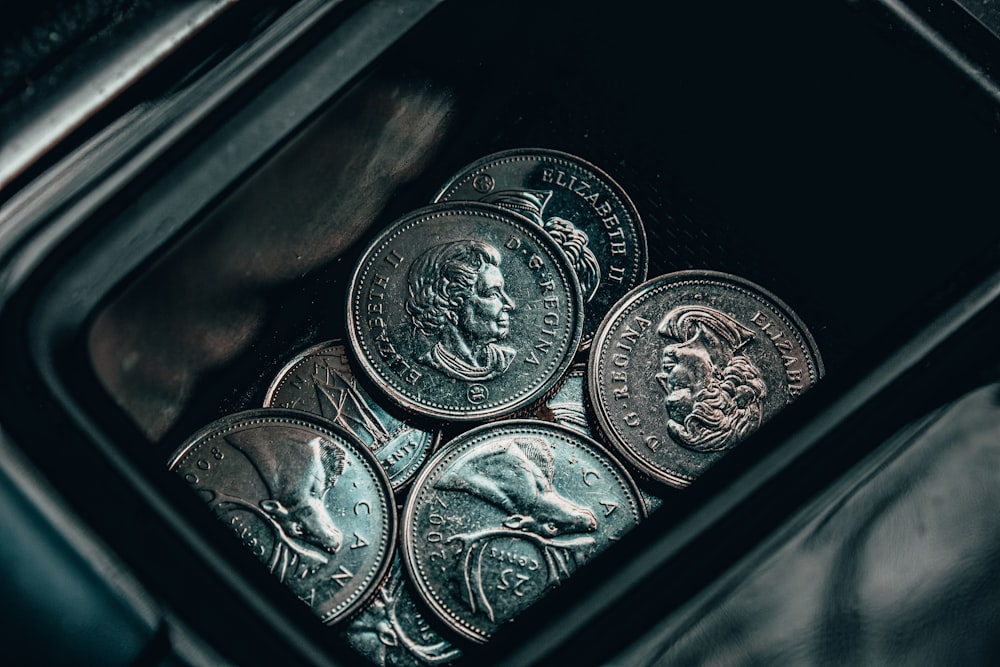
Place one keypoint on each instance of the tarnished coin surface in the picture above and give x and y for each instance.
(320, 380)
(392, 631)
(689, 364)
(504, 513)
(579, 205)
(463, 312)
(309, 500)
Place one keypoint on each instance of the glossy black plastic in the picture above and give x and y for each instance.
(830, 152)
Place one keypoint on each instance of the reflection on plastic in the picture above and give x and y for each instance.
(898, 568)
(206, 302)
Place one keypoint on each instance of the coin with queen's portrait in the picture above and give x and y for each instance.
(690, 364)
(463, 312)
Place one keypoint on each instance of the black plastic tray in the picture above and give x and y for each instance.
(838, 154)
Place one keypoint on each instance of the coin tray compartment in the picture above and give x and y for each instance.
(814, 148)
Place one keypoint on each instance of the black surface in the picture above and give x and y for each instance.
(58, 609)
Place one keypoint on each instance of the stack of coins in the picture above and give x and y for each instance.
(511, 394)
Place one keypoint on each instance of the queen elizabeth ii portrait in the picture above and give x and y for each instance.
(460, 310)
(714, 391)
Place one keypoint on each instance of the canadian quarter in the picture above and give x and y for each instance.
(689, 364)
(463, 312)
(582, 207)
(320, 380)
(309, 500)
(504, 513)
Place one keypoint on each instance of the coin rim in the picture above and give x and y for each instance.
(450, 619)
(476, 209)
(607, 433)
(217, 426)
(436, 435)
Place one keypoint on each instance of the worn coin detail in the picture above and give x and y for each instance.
(392, 631)
(320, 380)
(463, 311)
(309, 500)
(504, 513)
(577, 204)
(691, 363)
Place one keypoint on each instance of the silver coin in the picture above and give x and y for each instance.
(320, 380)
(504, 513)
(309, 500)
(392, 631)
(463, 312)
(579, 205)
(691, 363)
(570, 407)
